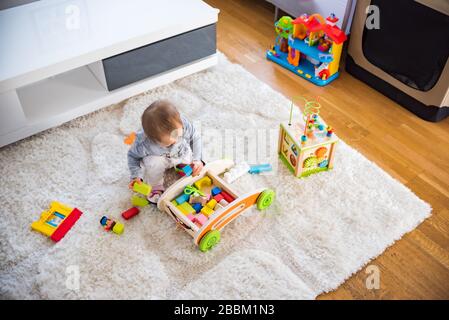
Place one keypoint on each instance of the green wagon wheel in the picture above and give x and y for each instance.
(209, 240)
(265, 199)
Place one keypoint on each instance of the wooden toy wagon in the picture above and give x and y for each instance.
(205, 204)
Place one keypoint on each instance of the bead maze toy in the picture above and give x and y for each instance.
(205, 204)
(56, 221)
(307, 148)
(309, 46)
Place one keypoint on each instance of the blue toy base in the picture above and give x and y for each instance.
(305, 69)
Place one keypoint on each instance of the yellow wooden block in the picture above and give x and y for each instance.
(207, 211)
(203, 182)
(211, 204)
(185, 208)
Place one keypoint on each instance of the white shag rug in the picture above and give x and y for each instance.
(320, 231)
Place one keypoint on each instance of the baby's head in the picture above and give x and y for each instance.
(162, 123)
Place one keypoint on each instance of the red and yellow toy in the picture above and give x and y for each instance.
(56, 221)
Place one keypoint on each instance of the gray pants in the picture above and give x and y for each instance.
(155, 167)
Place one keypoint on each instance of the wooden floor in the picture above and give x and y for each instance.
(413, 151)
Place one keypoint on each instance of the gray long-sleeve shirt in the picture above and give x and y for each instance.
(143, 147)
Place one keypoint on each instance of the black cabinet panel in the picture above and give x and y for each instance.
(158, 57)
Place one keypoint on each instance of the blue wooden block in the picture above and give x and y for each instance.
(215, 191)
(187, 170)
(197, 207)
(182, 198)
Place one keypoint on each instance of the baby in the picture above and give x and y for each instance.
(167, 139)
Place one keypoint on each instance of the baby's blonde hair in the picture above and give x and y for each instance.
(159, 119)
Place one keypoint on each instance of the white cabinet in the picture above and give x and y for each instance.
(50, 50)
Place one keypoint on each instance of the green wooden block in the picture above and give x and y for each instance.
(138, 201)
(142, 188)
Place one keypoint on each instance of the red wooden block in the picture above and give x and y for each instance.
(227, 196)
(218, 197)
(128, 214)
(66, 225)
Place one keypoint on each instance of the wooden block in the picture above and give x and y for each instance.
(203, 182)
(182, 198)
(207, 211)
(142, 188)
(201, 219)
(227, 196)
(211, 204)
(185, 208)
(215, 191)
(218, 197)
(197, 207)
(223, 203)
(128, 214)
(138, 201)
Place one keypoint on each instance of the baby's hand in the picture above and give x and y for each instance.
(197, 167)
(135, 180)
